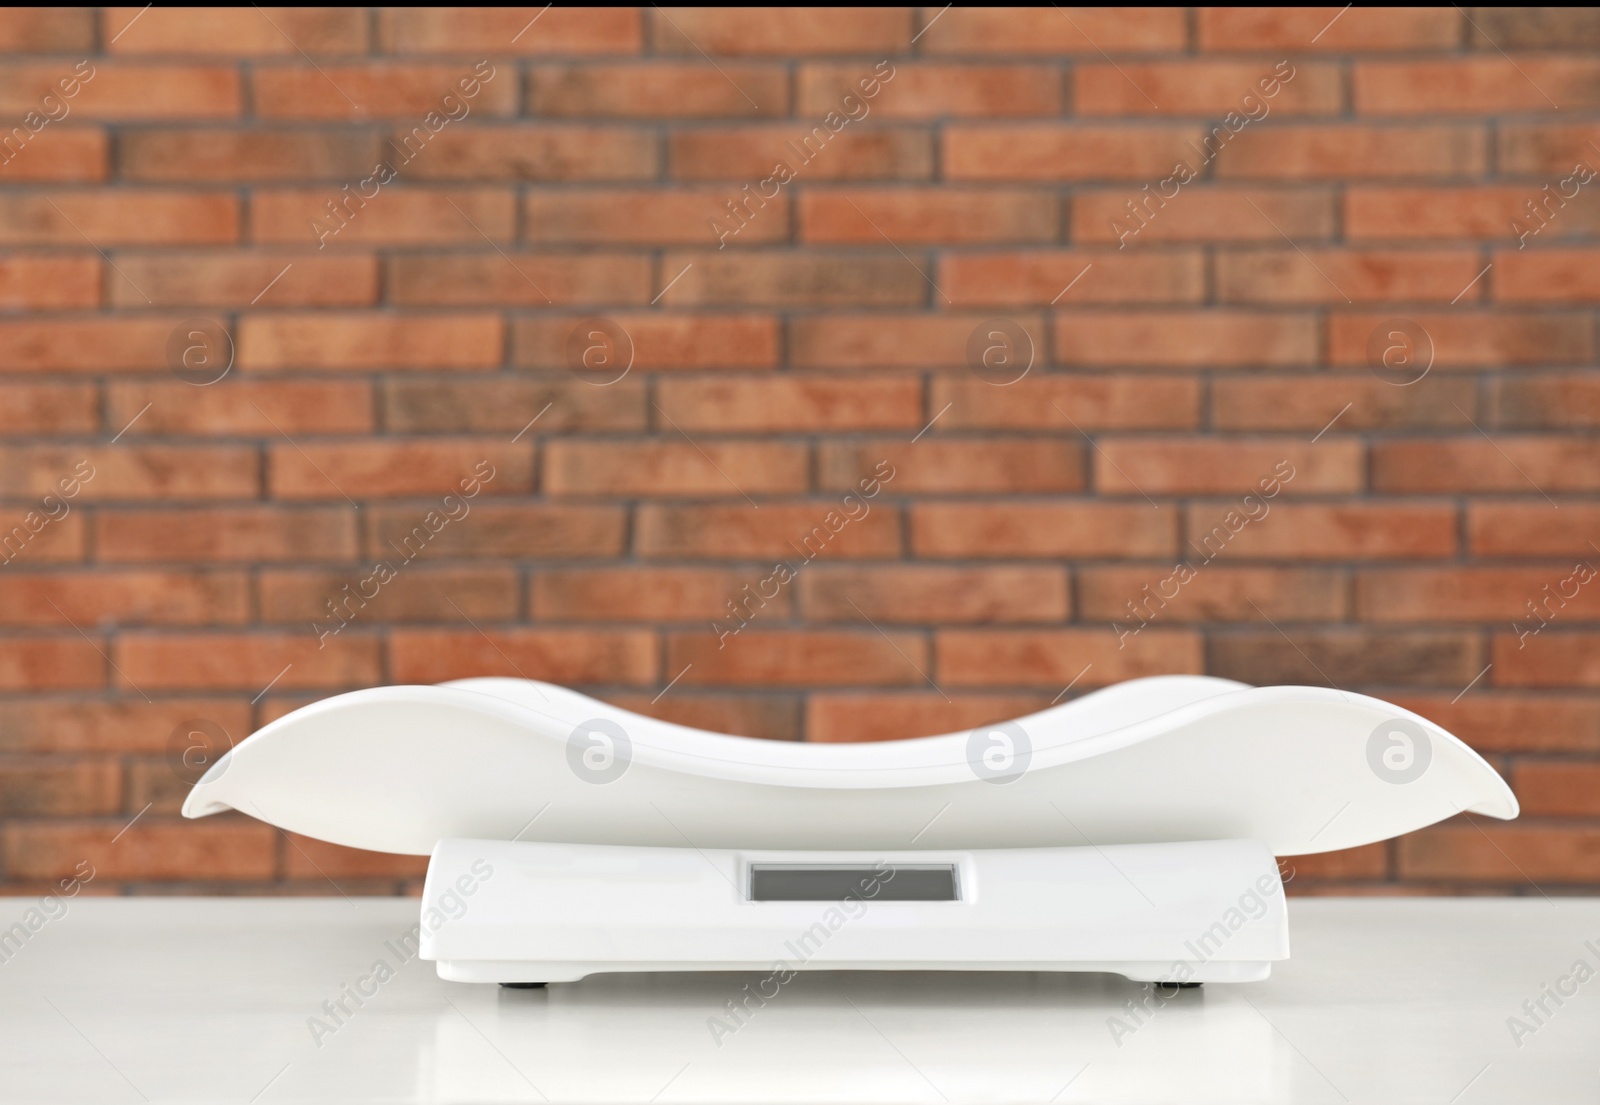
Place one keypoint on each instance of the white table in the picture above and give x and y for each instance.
(1385, 1000)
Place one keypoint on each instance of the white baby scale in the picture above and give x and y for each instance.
(1134, 830)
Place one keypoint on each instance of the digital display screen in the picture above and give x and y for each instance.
(884, 882)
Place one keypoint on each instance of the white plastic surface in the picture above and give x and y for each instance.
(1203, 911)
(205, 1001)
(1172, 758)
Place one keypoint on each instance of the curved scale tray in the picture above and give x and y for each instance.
(1170, 758)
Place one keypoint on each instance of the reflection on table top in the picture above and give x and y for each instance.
(213, 999)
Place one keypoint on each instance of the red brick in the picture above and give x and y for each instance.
(1328, 29)
(274, 278)
(416, 593)
(926, 216)
(231, 535)
(510, 406)
(244, 661)
(951, 465)
(247, 155)
(1548, 401)
(1557, 28)
(1531, 529)
(37, 542)
(791, 403)
(835, 718)
(1036, 529)
(1333, 276)
(510, 31)
(397, 469)
(235, 32)
(1472, 464)
(1439, 594)
(1213, 594)
(128, 726)
(800, 658)
(661, 342)
(565, 656)
(1205, 87)
(648, 216)
(397, 216)
(832, 342)
(1559, 788)
(35, 282)
(28, 409)
(770, 717)
(792, 532)
(539, 153)
(1546, 276)
(1055, 657)
(1169, 466)
(516, 279)
(1550, 658)
(674, 469)
(658, 90)
(124, 90)
(635, 594)
(1478, 85)
(1468, 212)
(51, 663)
(1472, 339)
(1515, 854)
(1040, 402)
(812, 151)
(1341, 657)
(933, 90)
(520, 532)
(1343, 403)
(699, 31)
(1329, 532)
(907, 594)
(47, 30)
(1186, 339)
(236, 407)
(126, 471)
(1334, 151)
(119, 218)
(331, 340)
(1511, 722)
(1544, 148)
(1046, 31)
(75, 155)
(1053, 152)
(109, 599)
(96, 345)
(1369, 861)
(379, 90)
(231, 849)
(1203, 213)
(792, 280)
(1043, 277)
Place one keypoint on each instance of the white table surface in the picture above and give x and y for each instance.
(1384, 1000)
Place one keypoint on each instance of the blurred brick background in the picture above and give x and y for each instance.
(176, 182)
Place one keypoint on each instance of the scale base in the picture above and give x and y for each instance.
(524, 914)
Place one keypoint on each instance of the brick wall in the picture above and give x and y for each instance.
(1349, 254)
